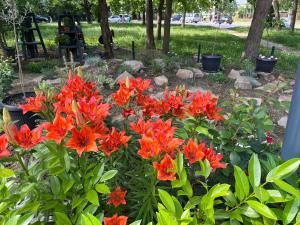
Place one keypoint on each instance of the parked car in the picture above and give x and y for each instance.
(114, 19)
(125, 18)
(192, 18)
(176, 18)
(41, 18)
(223, 19)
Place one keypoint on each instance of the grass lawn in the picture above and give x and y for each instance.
(283, 36)
(184, 42)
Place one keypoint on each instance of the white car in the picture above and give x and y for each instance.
(192, 18)
(286, 22)
(114, 19)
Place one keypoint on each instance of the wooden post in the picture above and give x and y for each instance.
(199, 53)
(273, 51)
(291, 143)
(133, 50)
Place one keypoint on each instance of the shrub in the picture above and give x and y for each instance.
(37, 67)
(6, 77)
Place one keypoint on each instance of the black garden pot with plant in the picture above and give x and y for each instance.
(211, 63)
(265, 64)
(11, 104)
(9, 52)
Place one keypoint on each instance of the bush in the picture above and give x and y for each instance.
(37, 67)
(160, 166)
(6, 77)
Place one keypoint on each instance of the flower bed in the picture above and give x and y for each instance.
(161, 166)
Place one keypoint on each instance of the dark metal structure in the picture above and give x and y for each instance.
(28, 38)
(291, 144)
(71, 32)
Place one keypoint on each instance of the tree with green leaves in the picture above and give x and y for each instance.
(159, 18)
(256, 29)
(149, 25)
(167, 26)
(105, 30)
(294, 14)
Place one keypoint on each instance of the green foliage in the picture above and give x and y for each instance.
(38, 67)
(6, 77)
(219, 78)
(99, 73)
(244, 132)
(250, 202)
(249, 68)
(55, 183)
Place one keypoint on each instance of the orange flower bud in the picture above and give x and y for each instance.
(78, 115)
(8, 127)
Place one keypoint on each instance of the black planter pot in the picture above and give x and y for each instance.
(211, 63)
(9, 52)
(265, 65)
(16, 113)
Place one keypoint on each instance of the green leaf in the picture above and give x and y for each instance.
(6, 173)
(89, 219)
(195, 200)
(108, 175)
(249, 212)
(55, 185)
(67, 185)
(179, 163)
(138, 222)
(262, 209)
(167, 200)
(102, 188)
(203, 130)
(92, 197)
(288, 188)
(13, 220)
(254, 170)
(283, 170)
(241, 183)
(290, 211)
(61, 219)
(26, 219)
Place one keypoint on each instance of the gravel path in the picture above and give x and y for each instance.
(265, 43)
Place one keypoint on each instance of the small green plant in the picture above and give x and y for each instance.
(219, 78)
(249, 68)
(38, 67)
(6, 77)
(95, 61)
(100, 80)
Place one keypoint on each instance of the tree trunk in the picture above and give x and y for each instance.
(183, 18)
(106, 33)
(294, 15)
(256, 29)
(87, 9)
(144, 17)
(159, 18)
(167, 26)
(277, 14)
(149, 25)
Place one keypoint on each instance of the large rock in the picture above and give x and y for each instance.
(161, 80)
(234, 74)
(184, 74)
(134, 65)
(283, 122)
(198, 73)
(253, 81)
(123, 76)
(243, 83)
